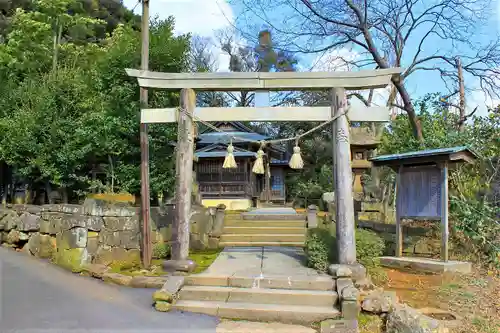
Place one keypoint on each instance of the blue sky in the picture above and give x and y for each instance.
(202, 17)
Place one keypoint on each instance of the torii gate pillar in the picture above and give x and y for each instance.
(344, 216)
(183, 185)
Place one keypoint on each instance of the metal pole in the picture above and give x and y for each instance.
(145, 210)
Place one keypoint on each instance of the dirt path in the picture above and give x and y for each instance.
(475, 297)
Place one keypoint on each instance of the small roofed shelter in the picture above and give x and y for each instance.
(422, 187)
(238, 185)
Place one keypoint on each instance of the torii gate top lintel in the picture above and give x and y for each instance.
(237, 81)
(335, 114)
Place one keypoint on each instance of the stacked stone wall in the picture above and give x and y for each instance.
(97, 232)
(419, 239)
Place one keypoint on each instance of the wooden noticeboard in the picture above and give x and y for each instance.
(419, 194)
(422, 187)
(422, 193)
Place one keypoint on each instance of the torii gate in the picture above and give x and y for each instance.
(337, 82)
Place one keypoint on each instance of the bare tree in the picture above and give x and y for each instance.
(242, 58)
(419, 35)
(253, 57)
(201, 55)
(202, 58)
(460, 90)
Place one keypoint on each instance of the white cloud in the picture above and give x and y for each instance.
(200, 17)
(482, 101)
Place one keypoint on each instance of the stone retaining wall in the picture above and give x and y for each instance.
(417, 240)
(96, 232)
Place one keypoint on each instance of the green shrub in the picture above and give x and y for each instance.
(320, 246)
(369, 247)
(161, 251)
(477, 220)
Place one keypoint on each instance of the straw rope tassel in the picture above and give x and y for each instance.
(296, 161)
(258, 166)
(229, 161)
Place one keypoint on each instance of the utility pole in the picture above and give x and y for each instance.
(145, 209)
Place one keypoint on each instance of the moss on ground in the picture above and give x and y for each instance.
(204, 259)
(137, 271)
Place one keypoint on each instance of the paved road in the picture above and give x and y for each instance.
(40, 297)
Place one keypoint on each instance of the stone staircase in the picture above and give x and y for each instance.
(299, 300)
(263, 228)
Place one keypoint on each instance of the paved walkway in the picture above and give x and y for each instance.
(37, 296)
(252, 261)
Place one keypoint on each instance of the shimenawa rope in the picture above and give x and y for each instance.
(296, 161)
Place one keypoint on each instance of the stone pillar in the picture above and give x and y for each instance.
(220, 211)
(312, 216)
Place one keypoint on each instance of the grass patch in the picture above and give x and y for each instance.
(485, 326)
(370, 323)
(204, 259)
(157, 262)
(448, 289)
(378, 274)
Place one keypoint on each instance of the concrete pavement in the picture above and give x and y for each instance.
(37, 296)
(268, 260)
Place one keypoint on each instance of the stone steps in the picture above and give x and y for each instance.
(256, 238)
(321, 282)
(272, 217)
(295, 314)
(259, 295)
(264, 223)
(264, 230)
(260, 244)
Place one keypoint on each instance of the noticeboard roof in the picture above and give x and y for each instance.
(425, 157)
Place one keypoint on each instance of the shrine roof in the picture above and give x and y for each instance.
(225, 137)
(220, 150)
(453, 154)
(207, 154)
(274, 161)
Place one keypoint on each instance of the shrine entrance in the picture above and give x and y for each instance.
(336, 116)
